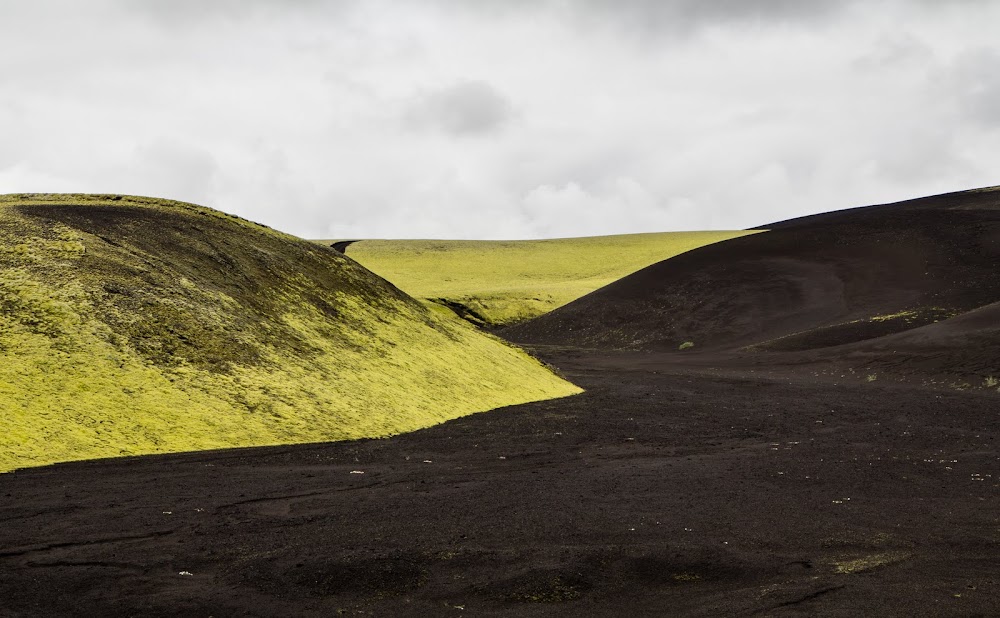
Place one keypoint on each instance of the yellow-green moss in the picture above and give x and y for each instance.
(501, 282)
(869, 562)
(134, 326)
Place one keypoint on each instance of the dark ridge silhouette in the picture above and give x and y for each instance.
(862, 276)
(342, 245)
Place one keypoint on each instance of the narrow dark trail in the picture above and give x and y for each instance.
(660, 491)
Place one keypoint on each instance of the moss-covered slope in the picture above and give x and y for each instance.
(135, 325)
(497, 283)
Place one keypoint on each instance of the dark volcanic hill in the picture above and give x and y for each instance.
(855, 277)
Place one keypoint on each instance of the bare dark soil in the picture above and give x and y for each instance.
(661, 491)
(762, 472)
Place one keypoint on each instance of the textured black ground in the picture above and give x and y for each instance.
(659, 492)
(795, 462)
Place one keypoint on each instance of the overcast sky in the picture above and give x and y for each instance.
(501, 118)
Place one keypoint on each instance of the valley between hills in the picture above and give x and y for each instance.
(205, 416)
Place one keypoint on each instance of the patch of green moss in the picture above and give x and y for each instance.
(869, 562)
(920, 316)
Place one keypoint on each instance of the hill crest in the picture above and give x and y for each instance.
(135, 325)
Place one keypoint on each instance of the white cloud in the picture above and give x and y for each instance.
(620, 206)
(465, 108)
(501, 119)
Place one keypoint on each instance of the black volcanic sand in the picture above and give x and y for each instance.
(758, 473)
(657, 492)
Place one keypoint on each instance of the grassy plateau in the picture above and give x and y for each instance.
(496, 283)
(135, 325)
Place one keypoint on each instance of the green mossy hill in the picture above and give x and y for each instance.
(497, 283)
(135, 325)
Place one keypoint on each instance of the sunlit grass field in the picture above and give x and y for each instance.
(497, 283)
(135, 325)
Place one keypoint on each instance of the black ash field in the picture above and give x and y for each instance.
(826, 445)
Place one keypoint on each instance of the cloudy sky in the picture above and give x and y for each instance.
(501, 118)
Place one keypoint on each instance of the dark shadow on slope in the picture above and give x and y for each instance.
(342, 245)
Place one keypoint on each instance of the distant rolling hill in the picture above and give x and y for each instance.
(495, 283)
(136, 325)
(912, 282)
